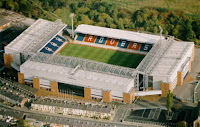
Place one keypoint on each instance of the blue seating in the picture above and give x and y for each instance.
(61, 38)
(146, 47)
(80, 37)
(123, 43)
(59, 43)
(46, 51)
(101, 40)
(54, 48)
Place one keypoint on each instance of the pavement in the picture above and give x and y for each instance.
(186, 91)
(46, 117)
(196, 64)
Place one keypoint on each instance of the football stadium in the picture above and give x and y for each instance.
(99, 63)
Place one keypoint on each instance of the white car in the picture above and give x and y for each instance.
(198, 76)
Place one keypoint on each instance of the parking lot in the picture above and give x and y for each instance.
(158, 116)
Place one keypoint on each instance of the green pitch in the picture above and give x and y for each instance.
(103, 55)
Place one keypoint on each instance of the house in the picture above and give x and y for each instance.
(13, 97)
(4, 22)
(70, 108)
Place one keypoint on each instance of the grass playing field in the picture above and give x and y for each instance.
(103, 55)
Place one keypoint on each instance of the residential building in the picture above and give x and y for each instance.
(71, 108)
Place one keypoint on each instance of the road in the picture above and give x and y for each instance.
(46, 117)
(121, 112)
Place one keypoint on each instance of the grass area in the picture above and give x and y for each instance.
(64, 14)
(103, 55)
(187, 6)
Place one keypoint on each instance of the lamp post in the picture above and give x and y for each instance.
(4, 75)
(72, 15)
(161, 30)
(14, 79)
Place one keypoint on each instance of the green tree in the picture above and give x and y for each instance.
(169, 100)
(120, 23)
(175, 32)
(102, 9)
(20, 123)
(182, 124)
(111, 25)
(93, 14)
(16, 6)
(155, 29)
(84, 20)
(10, 5)
(82, 10)
(74, 6)
(1, 4)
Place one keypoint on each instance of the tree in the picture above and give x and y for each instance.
(102, 9)
(0, 3)
(10, 5)
(120, 24)
(74, 6)
(16, 6)
(175, 32)
(169, 106)
(20, 123)
(182, 124)
(169, 101)
(82, 10)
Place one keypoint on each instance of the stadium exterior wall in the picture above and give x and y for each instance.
(31, 72)
(21, 78)
(182, 65)
(8, 59)
(14, 54)
(41, 79)
(157, 80)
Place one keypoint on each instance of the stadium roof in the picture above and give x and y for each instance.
(89, 65)
(117, 34)
(79, 71)
(164, 57)
(171, 58)
(36, 36)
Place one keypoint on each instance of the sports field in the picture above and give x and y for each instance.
(103, 55)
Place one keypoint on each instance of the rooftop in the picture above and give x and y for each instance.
(76, 122)
(3, 21)
(11, 95)
(78, 71)
(12, 113)
(164, 57)
(65, 104)
(171, 58)
(117, 34)
(22, 88)
(89, 65)
(36, 36)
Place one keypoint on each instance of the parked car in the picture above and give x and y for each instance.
(198, 76)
